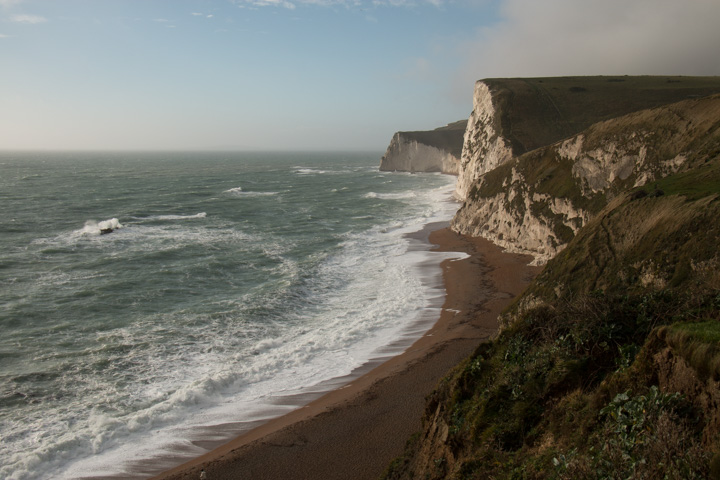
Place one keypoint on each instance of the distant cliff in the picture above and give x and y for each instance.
(436, 150)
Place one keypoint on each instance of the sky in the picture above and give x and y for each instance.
(308, 74)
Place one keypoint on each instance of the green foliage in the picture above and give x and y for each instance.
(567, 371)
(644, 436)
(631, 418)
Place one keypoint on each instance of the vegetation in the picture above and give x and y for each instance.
(540, 111)
(570, 391)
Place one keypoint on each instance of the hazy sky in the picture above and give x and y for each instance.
(308, 74)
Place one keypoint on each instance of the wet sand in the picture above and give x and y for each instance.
(354, 432)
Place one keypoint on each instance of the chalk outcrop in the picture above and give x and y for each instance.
(426, 151)
(535, 167)
(537, 202)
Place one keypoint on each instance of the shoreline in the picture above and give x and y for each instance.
(354, 431)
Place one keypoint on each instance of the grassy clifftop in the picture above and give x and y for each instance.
(536, 112)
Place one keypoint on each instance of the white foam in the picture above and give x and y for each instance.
(391, 196)
(93, 227)
(177, 217)
(239, 192)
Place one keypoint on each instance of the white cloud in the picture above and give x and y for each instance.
(267, 3)
(196, 14)
(2, 35)
(588, 37)
(28, 19)
(9, 3)
(347, 3)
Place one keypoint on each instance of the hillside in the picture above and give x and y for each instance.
(608, 365)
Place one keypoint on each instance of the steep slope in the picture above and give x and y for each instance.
(436, 150)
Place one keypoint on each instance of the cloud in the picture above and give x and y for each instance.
(266, 3)
(9, 3)
(2, 35)
(28, 19)
(347, 3)
(587, 37)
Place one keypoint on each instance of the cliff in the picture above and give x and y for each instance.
(513, 116)
(537, 202)
(608, 365)
(540, 157)
(436, 150)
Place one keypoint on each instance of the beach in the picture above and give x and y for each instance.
(354, 432)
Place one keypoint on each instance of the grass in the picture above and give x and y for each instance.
(698, 343)
(541, 111)
(694, 184)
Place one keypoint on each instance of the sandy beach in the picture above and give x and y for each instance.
(355, 431)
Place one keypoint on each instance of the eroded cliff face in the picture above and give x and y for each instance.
(535, 203)
(484, 146)
(426, 151)
(406, 154)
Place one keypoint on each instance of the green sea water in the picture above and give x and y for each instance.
(228, 281)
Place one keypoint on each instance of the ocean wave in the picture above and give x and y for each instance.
(310, 171)
(93, 227)
(391, 196)
(175, 217)
(239, 192)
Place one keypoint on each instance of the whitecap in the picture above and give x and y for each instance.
(93, 227)
(239, 192)
(391, 196)
(309, 171)
(176, 217)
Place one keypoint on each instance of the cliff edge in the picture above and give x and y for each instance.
(436, 150)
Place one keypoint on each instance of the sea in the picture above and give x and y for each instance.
(154, 305)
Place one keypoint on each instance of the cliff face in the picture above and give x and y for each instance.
(535, 201)
(512, 116)
(426, 151)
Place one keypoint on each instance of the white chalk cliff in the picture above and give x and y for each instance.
(426, 151)
(535, 202)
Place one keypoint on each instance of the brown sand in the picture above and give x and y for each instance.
(355, 432)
